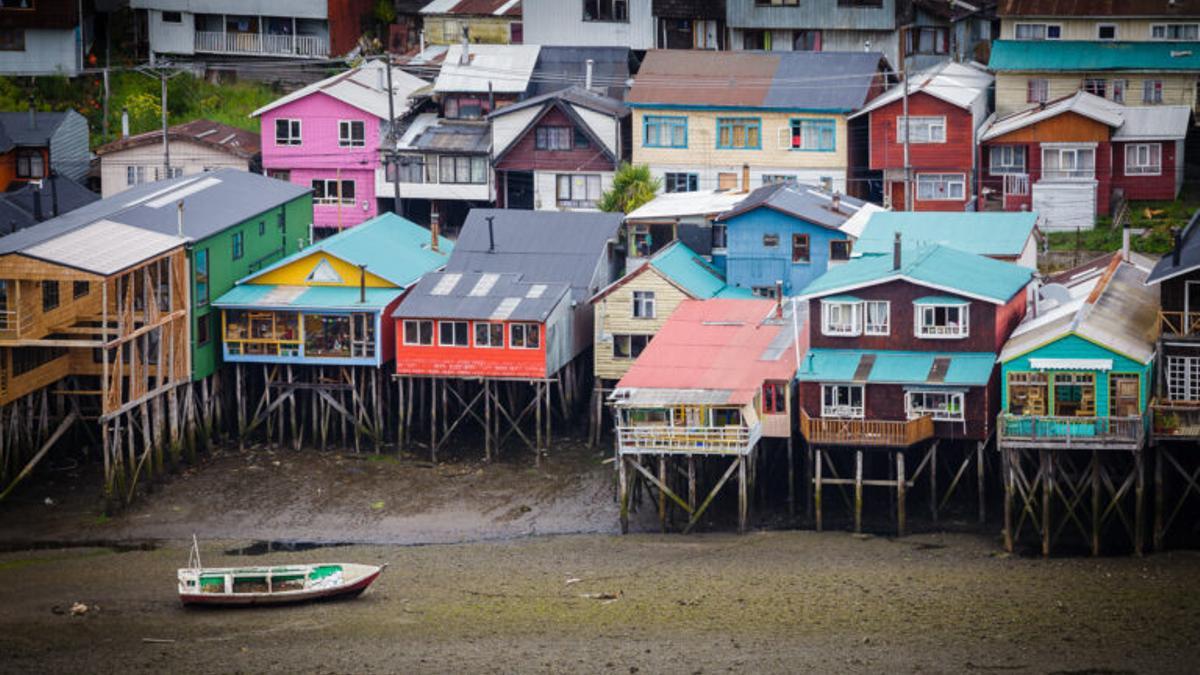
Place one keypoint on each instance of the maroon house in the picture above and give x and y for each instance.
(558, 151)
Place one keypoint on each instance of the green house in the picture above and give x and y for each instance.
(1076, 371)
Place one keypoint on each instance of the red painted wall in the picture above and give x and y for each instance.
(524, 155)
(953, 156)
(346, 23)
(472, 361)
(1033, 164)
(885, 402)
(1145, 187)
(1008, 316)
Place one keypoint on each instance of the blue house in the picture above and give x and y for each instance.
(787, 232)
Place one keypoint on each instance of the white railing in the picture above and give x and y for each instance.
(1016, 185)
(699, 440)
(1068, 174)
(259, 43)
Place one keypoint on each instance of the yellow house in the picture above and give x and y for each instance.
(486, 21)
(749, 117)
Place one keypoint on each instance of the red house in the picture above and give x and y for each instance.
(946, 106)
(1067, 159)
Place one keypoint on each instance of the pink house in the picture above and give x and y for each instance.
(327, 136)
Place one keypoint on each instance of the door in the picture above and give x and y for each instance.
(516, 33)
(518, 189)
(898, 196)
(1123, 395)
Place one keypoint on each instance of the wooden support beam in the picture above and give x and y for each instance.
(858, 490)
(62, 429)
(733, 466)
(901, 485)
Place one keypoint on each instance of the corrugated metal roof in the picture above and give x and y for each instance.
(364, 87)
(1080, 103)
(505, 297)
(103, 247)
(447, 136)
(575, 95)
(17, 206)
(897, 367)
(1189, 254)
(817, 81)
(955, 83)
(506, 67)
(1154, 123)
(937, 267)
(805, 202)
(687, 270)
(559, 67)
(1075, 55)
(670, 205)
(221, 137)
(1099, 9)
(990, 234)
(271, 296)
(18, 129)
(474, 7)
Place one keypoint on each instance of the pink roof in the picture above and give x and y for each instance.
(729, 345)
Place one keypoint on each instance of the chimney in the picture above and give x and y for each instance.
(1175, 250)
(896, 253)
(362, 284)
(745, 178)
(179, 219)
(124, 122)
(491, 235)
(1125, 243)
(54, 193)
(37, 205)
(464, 58)
(836, 202)
(433, 229)
(32, 114)
(778, 298)
(587, 79)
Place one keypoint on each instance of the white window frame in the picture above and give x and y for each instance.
(488, 343)
(854, 326)
(876, 329)
(1045, 32)
(1166, 28)
(1138, 168)
(418, 343)
(346, 134)
(845, 410)
(1009, 165)
(1113, 26)
(566, 185)
(135, 175)
(1152, 91)
(930, 124)
(1103, 88)
(454, 322)
(1043, 87)
(295, 132)
(933, 332)
(1183, 378)
(340, 198)
(642, 305)
(950, 180)
(524, 342)
(1063, 151)
(913, 412)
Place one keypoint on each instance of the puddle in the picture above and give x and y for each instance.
(265, 547)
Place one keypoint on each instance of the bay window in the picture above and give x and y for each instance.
(943, 406)
(942, 320)
(842, 400)
(1143, 159)
(1060, 163)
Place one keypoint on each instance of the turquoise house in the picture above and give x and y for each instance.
(1077, 371)
(1011, 237)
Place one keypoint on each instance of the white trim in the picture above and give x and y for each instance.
(512, 344)
(962, 179)
(442, 322)
(1116, 32)
(921, 118)
(952, 393)
(964, 321)
(1070, 364)
(1045, 31)
(887, 314)
(838, 412)
(856, 318)
(475, 335)
(299, 131)
(432, 333)
(348, 142)
(1134, 146)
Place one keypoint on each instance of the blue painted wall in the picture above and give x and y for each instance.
(748, 263)
(1075, 347)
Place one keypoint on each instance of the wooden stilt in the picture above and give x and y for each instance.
(743, 503)
(817, 488)
(1097, 516)
(901, 487)
(858, 490)
(1139, 517)
(433, 424)
(622, 491)
(662, 495)
(1047, 492)
(933, 481)
(980, 469)
(1159, 498)
(791, 479)
(1006, 467)
(691, 477)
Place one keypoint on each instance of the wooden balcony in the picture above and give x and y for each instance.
(1179, 324)
(15, 325)
(1175, 420)
(668, 440)
(261, 44)
(865, 433)
(1052, 433)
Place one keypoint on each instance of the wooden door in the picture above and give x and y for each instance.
(898, 196)
(1124, 395)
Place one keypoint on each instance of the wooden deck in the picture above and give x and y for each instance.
(657, 440)
(865, 433)
(1090, 433)
(1179, 324)
(1175, 420)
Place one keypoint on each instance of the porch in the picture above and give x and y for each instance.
(865, 433)
(1062, 432)
(266, 335)
(261, 35)
(690, 440)
(1179, 324)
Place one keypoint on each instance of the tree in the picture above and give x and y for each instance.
(632, 186)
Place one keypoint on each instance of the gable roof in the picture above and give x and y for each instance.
(542, 246)
(507, 68)
(816, 81)
(1098, 8)
(474, 7)
(958, 84)
(566, 101)
(804, 202)
(363, 87)
(102, 247)
(1077, 55)
(1081, 103)
(725, 347)
(17, 206)
(559, 67)
(987, 234)
(16, 126)
(670, 205)
(933, 266)
(684, 269)
(391, 247)
(483, 296)
(1154, 123)
(1107, 302)
(1188, 249)
(222, 137)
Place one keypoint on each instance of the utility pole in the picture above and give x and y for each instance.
(908, 188)
(391, 137)
(105, 130)
(162, 77)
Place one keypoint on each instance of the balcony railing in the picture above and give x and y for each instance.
(1179, 420)
(13, 325)
(1016, 185)
(857, 432)
(261, 43)
(688, 440)
(1179, 324)
(1071, 432)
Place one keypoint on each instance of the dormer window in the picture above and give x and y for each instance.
(942, 318)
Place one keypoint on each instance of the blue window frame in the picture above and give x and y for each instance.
(660, 131)
(813, 135)
(239, 245)
(739, 133)
(201, 259)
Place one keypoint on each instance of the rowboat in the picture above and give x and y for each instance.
(271, 584)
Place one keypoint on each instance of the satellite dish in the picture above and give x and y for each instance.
(1055, 292)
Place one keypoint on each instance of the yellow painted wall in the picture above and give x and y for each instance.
(443, 30)
(614, 314)
(702, 151)
(296, 273)
(1012, 89)
(1132, 30)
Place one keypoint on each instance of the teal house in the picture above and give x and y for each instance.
(1011, 237)
(1076, 372)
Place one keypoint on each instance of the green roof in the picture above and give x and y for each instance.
(1071, 55)
(897, 367)
(305, 297)
(939, 300)
(686, 269)
(991, 234)
(842, 298)
(938, 267)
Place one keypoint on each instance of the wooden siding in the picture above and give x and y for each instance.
(438, 361)
(1033, 168)
(1011, 88)
(28, 320)
(446, 30)
(296, 273)
(1161, 186)
(885, 402)
(1074, 347)
(749, 263)
(188, 157)
(1068, 127)
(614, 315)
(524, 155)
(1009, 316)
(1131, 30)
(346, 23)
(887, 148)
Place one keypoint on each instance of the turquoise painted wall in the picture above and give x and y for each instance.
(263, 242)
(1075, 347)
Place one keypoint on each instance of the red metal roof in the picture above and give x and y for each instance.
(729, 345)
(235, 141)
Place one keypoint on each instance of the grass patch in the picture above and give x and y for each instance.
(1157, 218)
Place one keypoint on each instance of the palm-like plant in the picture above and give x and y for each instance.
(632, 186)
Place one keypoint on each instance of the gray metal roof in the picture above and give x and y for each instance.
(561, 67)
(475, 296)
(16, 126)
(542, 246)
(103, 247)
(574, 95)
(213, 201)
(462, 137)
(805, 202)
(1189, 254)
(17, 207)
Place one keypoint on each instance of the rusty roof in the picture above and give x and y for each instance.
(1100, 8)
(235, 141)
(474, 7)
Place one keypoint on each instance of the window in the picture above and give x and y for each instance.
(1074, 394)
(30, 164)
(580, 191)
(629, 346)
(465, 107)
(1143, 159)
(1027, 394)
(418, 332)
(1152, 91)
(451, 31)
(135, 175)
(412, 169)
(842, 400)
(172, 17)
(813, 135)
(727, 181)
(352, 134)
(839, 250)
(877, 317)
(452, 333)
(774, 398)
(462, 169)
(201, 262)
(1096, 86)
(287, 132)
(49, 295)
(262, 227)
(739, 133)
(681, 182)
(1038, 31)
(841, 319)
(553, 138)
(490, 335)
(239, 245)
(776, 3)
(942, 321)
(763, 292)
(1183, 378)
(800, 251)
(807, 41)
(581, 140)
(1106, 31)
(12, 40)
(606, 10)
(859, 3)
(1037, 90)
(718, 236)
(80, 289)
(756, 39)
(773, 178)
(1118, 90)
(333, 191)
(524, 336)
(1003, 159)
(924, 129)
(203, 329)
(943, 406)
(643, 304)
(1175, 31)
(926, 40)
(770, 240)
(941, 186)
(1067, 163)
(664, 132)
(170, 172)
